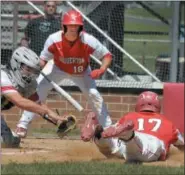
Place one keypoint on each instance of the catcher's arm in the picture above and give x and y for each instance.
(46, 117)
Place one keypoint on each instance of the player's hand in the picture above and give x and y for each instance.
(95, 74)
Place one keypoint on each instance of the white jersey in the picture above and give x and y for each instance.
(9, 85)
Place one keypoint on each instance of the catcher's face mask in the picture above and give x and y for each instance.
(28, 73)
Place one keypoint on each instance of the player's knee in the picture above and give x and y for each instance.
(43, 89)
(94, 94)
(103, 147)
(109, 148)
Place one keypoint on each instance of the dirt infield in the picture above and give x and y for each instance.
(55, 150)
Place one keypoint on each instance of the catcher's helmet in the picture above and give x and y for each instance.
(148, 101)
(72, 17)
(24, 56)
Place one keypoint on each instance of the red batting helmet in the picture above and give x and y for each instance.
(72, 17)
(148, 101)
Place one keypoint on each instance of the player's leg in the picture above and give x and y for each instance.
(8, 138)
(43, 88)
(119, 148)
(144, 148)
(139, 146)
(88, 87)
(109, 147)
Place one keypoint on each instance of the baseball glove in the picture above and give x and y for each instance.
(66, 126)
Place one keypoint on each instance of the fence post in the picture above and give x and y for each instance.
(114, 43)
(175, 41)
(15, 24)
(1, 33)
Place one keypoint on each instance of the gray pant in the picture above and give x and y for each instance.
(8, 138)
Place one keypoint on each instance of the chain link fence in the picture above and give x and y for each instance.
(143, 30)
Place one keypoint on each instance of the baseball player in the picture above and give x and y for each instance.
(144, 135)
(17, 84)
(70, 51)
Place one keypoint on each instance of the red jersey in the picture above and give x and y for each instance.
(154, 124)
(72, 58)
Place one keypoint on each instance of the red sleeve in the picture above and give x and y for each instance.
(51, 48)
(128, 116)
(7, 88)
(121, 120)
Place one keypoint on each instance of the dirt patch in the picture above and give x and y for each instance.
(56, 150)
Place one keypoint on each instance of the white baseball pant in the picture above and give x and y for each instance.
(143, 148)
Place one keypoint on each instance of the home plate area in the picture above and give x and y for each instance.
(56, 150)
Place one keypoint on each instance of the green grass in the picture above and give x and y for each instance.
(164, 12)
(147, 51)
(151, 49)
(132, 67)
(143, 26)
(146, 54)
(182, 14)
(52, 131)
(44, 130)
(87, 168)
(147, 37)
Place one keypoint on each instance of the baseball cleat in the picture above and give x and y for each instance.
(21, 132)
(88, 130)
(119, 130)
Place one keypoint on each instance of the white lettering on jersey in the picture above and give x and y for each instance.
(151, 120)
(72, 60)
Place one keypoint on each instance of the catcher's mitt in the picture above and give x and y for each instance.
(66, 126)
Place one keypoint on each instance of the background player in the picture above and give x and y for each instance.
(38, 29)
(70, 51)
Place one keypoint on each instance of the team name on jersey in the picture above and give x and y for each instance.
(72, 60)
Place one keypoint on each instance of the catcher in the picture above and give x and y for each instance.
(144, 135)
(17, 84)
